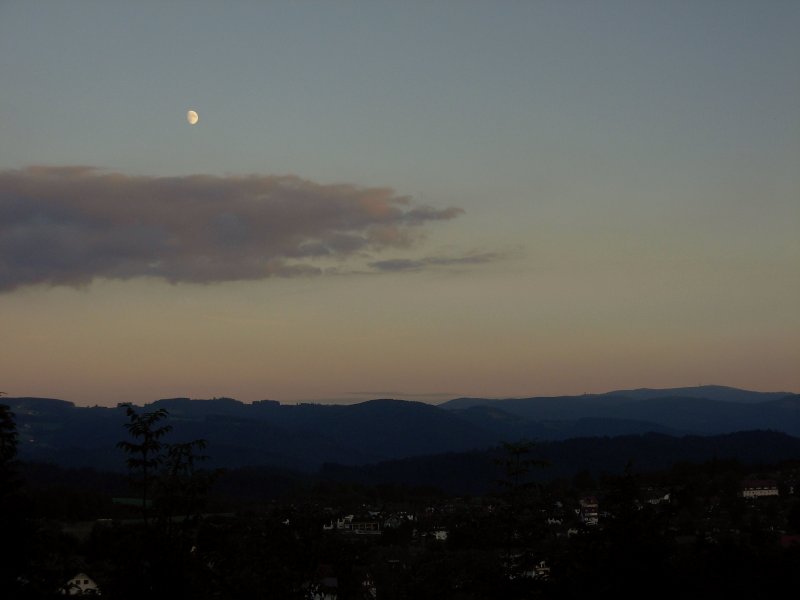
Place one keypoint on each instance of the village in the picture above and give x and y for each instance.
(392, 542)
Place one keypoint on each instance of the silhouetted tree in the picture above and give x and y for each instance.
(517, 488)
(146, 453)
(181, 488)
(10, 523)
(8, 451)
(517, 467)
(162, 562)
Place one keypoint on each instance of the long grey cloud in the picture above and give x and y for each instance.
(410, 264)
(70, 225)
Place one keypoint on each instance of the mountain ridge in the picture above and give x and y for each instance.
(304, 436)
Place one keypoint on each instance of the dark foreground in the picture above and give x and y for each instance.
(171, 529)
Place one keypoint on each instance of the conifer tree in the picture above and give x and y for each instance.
(145, 454)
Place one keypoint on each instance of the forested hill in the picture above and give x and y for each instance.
(305, 436)
(477, 472)
(263, 433)
(705, 410)
(709, 392)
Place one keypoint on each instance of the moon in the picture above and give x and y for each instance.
(192, 117)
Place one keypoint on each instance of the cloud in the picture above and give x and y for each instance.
(403, 264)
(70, 225)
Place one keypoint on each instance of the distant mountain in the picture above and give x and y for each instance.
(263, 433)
(304, 436)
(675, 410)
(34, 406)
(507, 425)
(708, 392)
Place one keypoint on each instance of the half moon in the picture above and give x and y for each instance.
(192, 117)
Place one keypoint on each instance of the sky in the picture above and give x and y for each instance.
(419, 200)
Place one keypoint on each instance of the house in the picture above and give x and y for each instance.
(539, 570)
(392, 522)
(655, 497)
(588, 511)
(80, 585)
(758, 488)
(366, 527)
(396, 520)
(348, 524)
(344, 523)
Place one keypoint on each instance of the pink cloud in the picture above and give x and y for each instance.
(70, 225)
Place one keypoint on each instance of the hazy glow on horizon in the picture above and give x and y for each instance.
(423, 201)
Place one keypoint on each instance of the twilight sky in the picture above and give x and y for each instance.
(409, 199)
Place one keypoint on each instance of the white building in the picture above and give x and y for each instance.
(588, 511)
(81, 585)
(759, 489)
